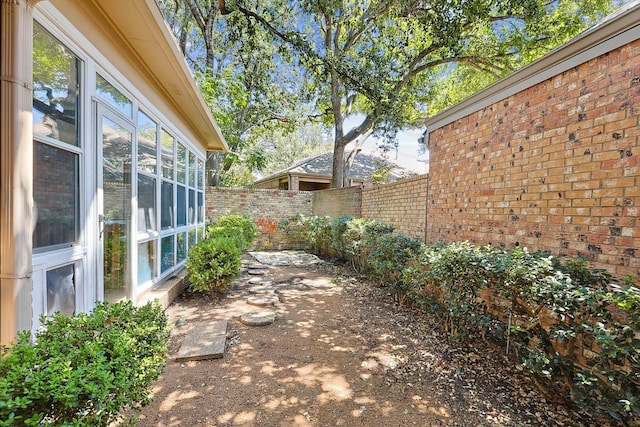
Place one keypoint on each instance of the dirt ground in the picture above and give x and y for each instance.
(341, 353)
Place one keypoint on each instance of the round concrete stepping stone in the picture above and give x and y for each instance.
(261, 318)
(262, 290)
(259, 281)
(257, 267)
(260, 272)
(263, 300)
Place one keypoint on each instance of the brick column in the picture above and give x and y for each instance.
(16, 167)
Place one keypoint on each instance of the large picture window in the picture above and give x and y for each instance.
(56, 156)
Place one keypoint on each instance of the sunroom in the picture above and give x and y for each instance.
(104, 143)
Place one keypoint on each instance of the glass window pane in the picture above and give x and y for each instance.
(117, 145)
(146, 204)
(167, 254)
(182, 247)
(201, 233)
(56, 89)
(61, 290)
(166, 205)
(200, 174)
(193, 170)
(181, 206)
(192, 207)
(147, 145)
(147, 262)
(182, 164)
(113, 96)
(55, 191)
(200, 207)
(192, 238)
(167, 155)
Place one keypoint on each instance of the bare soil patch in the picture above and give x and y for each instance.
(341, 353)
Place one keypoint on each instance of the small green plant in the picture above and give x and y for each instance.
(213, 264)
(83, 370)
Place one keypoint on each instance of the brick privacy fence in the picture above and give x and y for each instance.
(554, 167)
(266, 207)
(402, 204)
(338, 201)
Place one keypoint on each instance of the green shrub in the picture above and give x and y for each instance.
(360, 238)
(85, 369)
(314, 230)
(213, 264)
(231, 233)
(390, 255)
(245, 225)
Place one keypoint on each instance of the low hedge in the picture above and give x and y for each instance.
(83, 370)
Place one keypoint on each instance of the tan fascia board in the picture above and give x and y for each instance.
(303, 177)
(618, 30)
(139, 28)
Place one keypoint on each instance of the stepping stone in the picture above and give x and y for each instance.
(261, 318)
(259, 280)
(262, 290)
(263, 300)
(260, 272)
(257, 267)
(205, 340)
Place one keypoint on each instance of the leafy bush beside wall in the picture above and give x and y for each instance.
(561, 319)
(214, 262)
(84, 369)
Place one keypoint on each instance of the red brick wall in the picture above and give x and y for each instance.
(402, 204)
(554, 167)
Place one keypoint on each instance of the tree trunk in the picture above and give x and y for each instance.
(338, 177)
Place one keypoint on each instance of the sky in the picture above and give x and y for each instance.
(408, 153)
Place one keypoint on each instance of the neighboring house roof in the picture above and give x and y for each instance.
(364, 165)
(140, 32)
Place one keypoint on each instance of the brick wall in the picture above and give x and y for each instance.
(338, 201)
(266, 207)
(402, 204)
(554, 167)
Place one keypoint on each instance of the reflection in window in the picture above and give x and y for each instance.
(182, 163)
(200, 174)
(167, 253)
(182, 247)
(147, 262)
(200, 207)
(166, 209)
(193, 170)
(192, 207)
(113, 96)
(147, 146)
(55, 191)
(61, 290)
(56, 89)
(181, 206)
(192, 238)
(146, 204)
(167, 155)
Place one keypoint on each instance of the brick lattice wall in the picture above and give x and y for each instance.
(402, 204)
(338, 201)
(554, 167)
